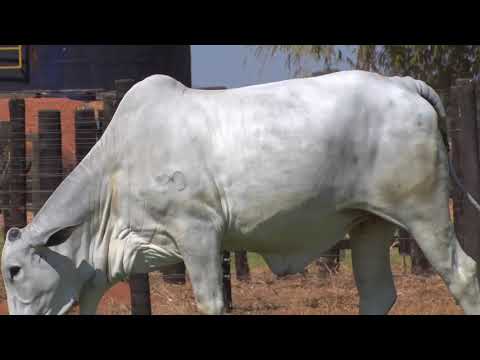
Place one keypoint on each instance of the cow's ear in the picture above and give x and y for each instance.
(60, 236)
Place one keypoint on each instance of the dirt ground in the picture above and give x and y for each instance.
(266, 294)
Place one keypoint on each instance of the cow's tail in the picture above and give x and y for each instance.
(429, 94)
(433, 98)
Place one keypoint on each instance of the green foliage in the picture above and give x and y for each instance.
(254, 260)
(438, 65)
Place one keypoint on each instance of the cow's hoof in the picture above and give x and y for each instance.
(212, 308)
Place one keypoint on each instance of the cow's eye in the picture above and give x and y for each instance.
(13, 270)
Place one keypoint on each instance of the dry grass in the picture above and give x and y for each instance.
(311, 294)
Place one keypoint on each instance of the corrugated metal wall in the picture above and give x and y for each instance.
(56, 67)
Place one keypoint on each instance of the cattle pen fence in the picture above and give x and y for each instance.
(44, 135)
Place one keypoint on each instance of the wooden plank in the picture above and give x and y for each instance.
(5, 160)
(464, 152)
(16, 215)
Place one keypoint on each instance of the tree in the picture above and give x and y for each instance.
(296, 54)
(438, 65)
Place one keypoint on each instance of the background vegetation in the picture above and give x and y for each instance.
(438, 65)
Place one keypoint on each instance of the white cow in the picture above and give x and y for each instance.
(281, 169)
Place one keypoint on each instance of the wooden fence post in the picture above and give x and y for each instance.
(100, 120)
(17, 212)
(420, 264)
(404, 246)
(227, 284)
(109, 106)
(463, 132)
(329, 261)
(86, 132)
(241, 266)
(5, 160)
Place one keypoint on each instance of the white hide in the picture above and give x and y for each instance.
(282, 169)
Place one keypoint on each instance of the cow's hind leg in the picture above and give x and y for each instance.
(459, 271)
(425, 213)
(370, 244)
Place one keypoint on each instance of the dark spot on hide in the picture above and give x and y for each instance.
(177, 179)
(163, 179)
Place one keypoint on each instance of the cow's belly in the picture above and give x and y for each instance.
(297, 231)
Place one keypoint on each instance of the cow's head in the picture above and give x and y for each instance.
(39, 280)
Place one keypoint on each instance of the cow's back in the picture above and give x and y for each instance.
(277, 147)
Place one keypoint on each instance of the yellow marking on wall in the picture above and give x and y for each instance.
(17, 48)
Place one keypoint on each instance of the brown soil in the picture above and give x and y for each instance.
(266, 294)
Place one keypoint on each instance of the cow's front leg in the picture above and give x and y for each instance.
(91, 295)
(202, 257)
(89, 302)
